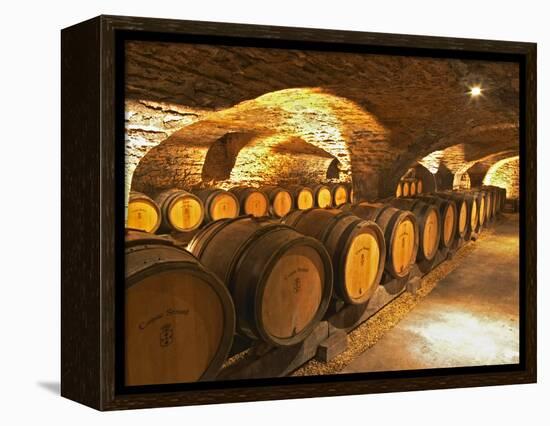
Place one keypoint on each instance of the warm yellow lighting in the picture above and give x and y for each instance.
(432, 161)
(475, 91)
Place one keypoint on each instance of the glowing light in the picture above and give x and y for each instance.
(475, 91)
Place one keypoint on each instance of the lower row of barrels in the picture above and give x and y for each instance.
(183, 211)
(272, 280)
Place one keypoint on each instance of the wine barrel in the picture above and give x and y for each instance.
(280, 200)
(499, 199)
(143, 213)
(488, 205)
(500, 195)
(429, 224)
(496, 199)
(502, 198)
(412, 189)
(356, 247)
(302, 195)
(181, 210)
(280, 280)
(339, 194)
(491, 202)
(400, 231)
(480, 204)
(252, 201)
(179, 317)
(218, 204)
(463, 211)
(406, 189)
(419, 186)
(473, 214)
(480, 198)
(448, 213)
(323, 196)
(399, 190)
(346, 207)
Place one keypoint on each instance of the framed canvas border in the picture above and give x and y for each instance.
(92, 224)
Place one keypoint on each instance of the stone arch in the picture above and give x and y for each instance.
(309, 121)
(505, 174)
(458, 151)
(478, 170)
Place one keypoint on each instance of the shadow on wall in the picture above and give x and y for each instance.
(429, 183)
(290, 132)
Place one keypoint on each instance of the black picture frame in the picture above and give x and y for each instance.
(93, 218)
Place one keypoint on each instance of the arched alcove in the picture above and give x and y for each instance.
(505, 174)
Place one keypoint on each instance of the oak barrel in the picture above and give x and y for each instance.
(179, 317)
(302, 195)
(399, 190)
(181, 210)
(429, 225)
(400, 231)
(481, 203)
(280, 200)
(280, 280)
(494, 200)
(449, 218)
(463, 225)
(143, 213)
(473, 213)
(252, 201)
(476, 223)
(356, 247)
(412, 188)
(323, 196)
(406, 189)
(489, 204)
(218, 204)
(339, 193)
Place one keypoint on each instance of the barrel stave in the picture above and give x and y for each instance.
(168, 294)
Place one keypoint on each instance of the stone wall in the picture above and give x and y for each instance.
(505, 174)
(199, 115)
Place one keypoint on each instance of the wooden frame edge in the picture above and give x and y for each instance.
(98, 367)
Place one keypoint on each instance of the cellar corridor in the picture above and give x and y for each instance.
(471, 318)
(314, 189)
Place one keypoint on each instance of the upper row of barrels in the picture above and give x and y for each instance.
(179, 210)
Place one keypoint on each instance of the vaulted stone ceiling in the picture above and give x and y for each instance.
(374, 116)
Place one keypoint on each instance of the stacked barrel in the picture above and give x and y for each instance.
(400, 230)
(264, 263)
(184, 211)
(409, 187)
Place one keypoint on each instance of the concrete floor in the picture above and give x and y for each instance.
(471, 318)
